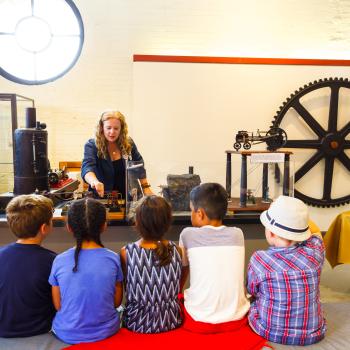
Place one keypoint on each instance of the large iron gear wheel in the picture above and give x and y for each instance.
(330, 142)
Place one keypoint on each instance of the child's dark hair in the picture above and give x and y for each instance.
(86, 218)
(212, 198)
(153, 219)
(26, 213)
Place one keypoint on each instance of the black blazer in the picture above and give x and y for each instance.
(103, 168)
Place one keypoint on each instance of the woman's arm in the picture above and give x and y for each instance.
(92, 180)
(136, 156)
(88, 167)
(146, 187)
(56, 297)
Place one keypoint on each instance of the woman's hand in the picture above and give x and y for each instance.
(99, 187)
(148, 191)
(146, 187)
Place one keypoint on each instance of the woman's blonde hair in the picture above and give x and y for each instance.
(123, 141)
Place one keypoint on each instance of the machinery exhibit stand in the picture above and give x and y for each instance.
(264, 157)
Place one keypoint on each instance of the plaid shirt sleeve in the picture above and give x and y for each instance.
(252, 278)
(316, 243)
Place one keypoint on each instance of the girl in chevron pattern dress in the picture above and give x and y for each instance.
(152, 267)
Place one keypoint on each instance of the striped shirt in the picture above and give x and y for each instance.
(215, 256)
(152, 304)
(285, 284)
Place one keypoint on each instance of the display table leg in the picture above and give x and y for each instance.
(265, 183)
(228, 174)
(243, 193)
(286, 175)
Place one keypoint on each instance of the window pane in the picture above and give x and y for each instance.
(51, 62)
(11, 12)
(53, 12)
(33, 34)
(15, 60)
(46, 40)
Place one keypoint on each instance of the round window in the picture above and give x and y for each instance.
(40, 40)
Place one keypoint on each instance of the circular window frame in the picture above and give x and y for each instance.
(15, 79)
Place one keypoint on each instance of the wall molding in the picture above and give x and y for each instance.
(241, 60)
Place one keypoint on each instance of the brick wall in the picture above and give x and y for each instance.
(117, 29)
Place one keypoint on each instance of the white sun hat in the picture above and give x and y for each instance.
(287, 217)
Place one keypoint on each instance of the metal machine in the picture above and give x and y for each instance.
(275, 138)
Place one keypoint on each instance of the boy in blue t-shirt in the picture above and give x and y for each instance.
(26, 308)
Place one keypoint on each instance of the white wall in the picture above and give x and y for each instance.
(198, 108)
(117, 29)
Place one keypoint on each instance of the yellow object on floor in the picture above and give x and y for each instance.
(337, 240)
(315, 230)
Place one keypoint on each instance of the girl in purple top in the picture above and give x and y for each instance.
(87, 279)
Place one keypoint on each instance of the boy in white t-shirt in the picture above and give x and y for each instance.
(213, 254)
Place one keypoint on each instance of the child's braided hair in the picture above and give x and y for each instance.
(86, 218)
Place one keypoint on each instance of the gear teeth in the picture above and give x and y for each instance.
(309, 87)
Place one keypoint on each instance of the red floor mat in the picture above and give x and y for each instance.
(243, 339)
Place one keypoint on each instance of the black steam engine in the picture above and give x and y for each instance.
(31, 166)
(32, 173)
(275, 138)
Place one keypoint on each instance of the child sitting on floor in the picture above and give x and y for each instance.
(152, 268)
(284, 280)
(214, 256)
(87, 279)
(26, 307)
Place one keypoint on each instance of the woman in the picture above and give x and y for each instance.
(105, 157)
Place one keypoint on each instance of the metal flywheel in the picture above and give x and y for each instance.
(327, 142)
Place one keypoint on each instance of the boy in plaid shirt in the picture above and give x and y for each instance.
(284, 280)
